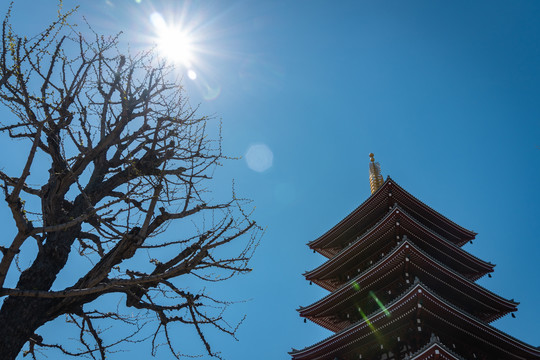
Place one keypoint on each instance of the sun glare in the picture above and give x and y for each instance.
(182, 41)
(172, 42)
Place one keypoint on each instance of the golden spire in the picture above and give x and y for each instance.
(375, 178)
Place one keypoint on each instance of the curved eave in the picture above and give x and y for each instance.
(486, 266)
(468, 234)
(506, 305)
(344, 224)
(383, 268)
(312, 274)
(486, 329)
(386, 265)
(344, 255)
(435, 350)
(381, 194)
(337, 339)
(329, 325)
(494, 337)
(347, 288)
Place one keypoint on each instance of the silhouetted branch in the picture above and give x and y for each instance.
(127, 156)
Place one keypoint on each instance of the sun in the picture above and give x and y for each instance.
(172, 42)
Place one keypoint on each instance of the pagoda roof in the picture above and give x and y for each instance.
(321, 311)
(434, 349)
(390, 190)
(419, 301)
(398, 217)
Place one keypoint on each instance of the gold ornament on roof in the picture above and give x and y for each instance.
(375, 178)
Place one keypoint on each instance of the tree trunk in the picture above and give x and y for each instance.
(20, 317)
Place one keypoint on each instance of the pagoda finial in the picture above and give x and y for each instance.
(375, 178)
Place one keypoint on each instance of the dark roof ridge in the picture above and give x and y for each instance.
(371, 229)
(458, 275)
(491, 327)
(358, 238)
(391, 253)
(351, 214)
(434, 341)
(430, 208)
(458, 248)
(394, 210)
(351, 281)
(407, 292)
(389, 181)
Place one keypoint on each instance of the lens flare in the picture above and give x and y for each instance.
(211, 93)
(259, 157)
(192, 74)
(367, 320)
(381, 305)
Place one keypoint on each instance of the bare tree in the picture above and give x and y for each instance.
(126, 157)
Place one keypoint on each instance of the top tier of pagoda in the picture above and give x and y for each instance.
(402, 287)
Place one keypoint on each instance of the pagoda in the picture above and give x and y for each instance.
(402, 287)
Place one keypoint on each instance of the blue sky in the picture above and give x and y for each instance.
(446, 94)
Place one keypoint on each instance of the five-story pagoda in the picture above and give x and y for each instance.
(401, 287)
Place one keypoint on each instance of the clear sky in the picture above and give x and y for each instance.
(445, 93)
